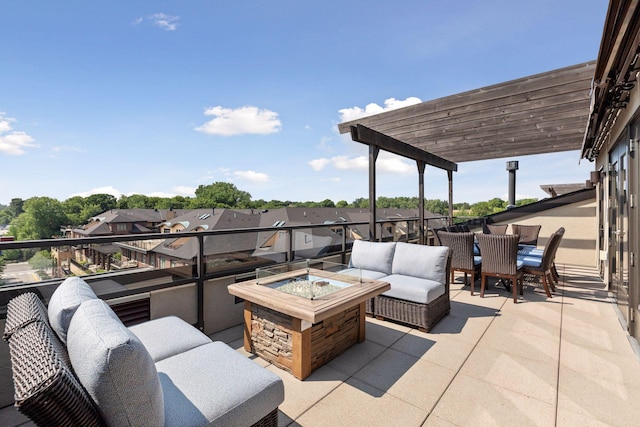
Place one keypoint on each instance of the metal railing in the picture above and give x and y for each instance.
(215, 253)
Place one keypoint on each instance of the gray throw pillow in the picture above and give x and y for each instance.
(64, 302)
(114, 367)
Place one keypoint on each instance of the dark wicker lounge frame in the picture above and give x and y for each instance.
(422, 316)
(46, 389)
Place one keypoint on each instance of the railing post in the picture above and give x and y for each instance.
(200, 282)
(290, 244)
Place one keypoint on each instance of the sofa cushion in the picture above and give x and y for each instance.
(64, 302)
(22, 310)
(153, 335)
(376, 256)
(214, 385)
(114, 367)
(426, 262)
(415, 289)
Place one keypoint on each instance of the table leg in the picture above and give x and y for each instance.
(301, 351)
(363, 326)
(247, 326)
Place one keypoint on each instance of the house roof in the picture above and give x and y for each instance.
(542, 113)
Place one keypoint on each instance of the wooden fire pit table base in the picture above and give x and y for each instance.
(294, 345)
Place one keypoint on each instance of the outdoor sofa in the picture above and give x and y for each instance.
(419, 279)
(75, 363)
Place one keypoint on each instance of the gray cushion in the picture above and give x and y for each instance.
(114, 367)
(427, 262)
(153, 335)
(376, 256)
(215, 384)
(64, 302)
(414, 289)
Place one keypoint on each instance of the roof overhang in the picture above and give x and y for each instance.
(543, 113)
(615, 74)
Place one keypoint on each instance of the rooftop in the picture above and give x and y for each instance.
(560, 361)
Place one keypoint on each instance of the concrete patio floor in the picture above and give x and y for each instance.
(564, 361)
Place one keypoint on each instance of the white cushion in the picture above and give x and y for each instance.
(64, 302)
(114, 367)
(376, 256)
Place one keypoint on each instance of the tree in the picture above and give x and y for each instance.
(12, 211)
(41, 219)
(41, 261)
(220, 195)
(104, 201)
(342, 204)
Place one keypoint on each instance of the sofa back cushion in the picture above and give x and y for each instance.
(427, 262)
(376, 256)
(64, 302)
(114, 367)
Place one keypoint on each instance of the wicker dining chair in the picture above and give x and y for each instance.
(528, 233)
(462, 258)
(541, 267)
(500, 259)
(495, 228)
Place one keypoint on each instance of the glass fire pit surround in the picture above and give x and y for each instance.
(306, 284)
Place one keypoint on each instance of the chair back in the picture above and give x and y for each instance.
(436, 235)
(549, 253)
(499, 253)
(495, 228)
(461, 245)
(528, 233)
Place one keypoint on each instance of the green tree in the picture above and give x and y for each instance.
(135, 201)
(10, 212)
(342, 204)
(104, 201)
(220, 195)
(41, 219)
(41, 260)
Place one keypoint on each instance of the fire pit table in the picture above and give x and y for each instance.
(299, 318)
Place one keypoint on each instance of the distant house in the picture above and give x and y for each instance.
(124, 221)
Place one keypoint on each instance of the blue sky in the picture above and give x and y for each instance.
(159, 97)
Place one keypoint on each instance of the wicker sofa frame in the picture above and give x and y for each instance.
(419, 315)
(46, 388)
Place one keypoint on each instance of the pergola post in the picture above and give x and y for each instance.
(421, 166)
(373, 157)
(450, 176)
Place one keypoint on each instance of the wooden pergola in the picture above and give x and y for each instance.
(543, 113)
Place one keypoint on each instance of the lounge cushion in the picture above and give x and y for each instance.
(114, 367)
(153, 335)
(232, 390)
(64, 302)
(427, 262)
(375, 256)
(415, 289)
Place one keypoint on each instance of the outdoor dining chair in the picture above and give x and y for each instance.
(500, 259)
(528, 233)
(494, 228)
(462, 257)
(541, 266)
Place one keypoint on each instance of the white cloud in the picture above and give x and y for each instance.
(243, 120)
(385, 163)
(13, 142)
(184, 191)
(252, 176)
(164, 21)
(319, 164)
(100, 190)
(348, 114)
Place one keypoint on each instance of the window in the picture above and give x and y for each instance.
(122, 226)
